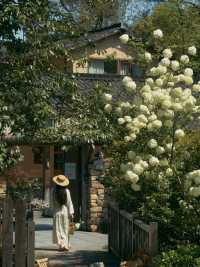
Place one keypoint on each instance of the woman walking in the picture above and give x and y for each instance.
(63, 212)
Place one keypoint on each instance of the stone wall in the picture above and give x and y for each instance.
(97, 207)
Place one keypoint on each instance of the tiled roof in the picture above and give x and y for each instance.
(94, 36)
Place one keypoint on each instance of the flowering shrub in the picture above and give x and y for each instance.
(153, 122)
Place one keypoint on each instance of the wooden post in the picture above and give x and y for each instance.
(153, 238)
(20, 234)
(7, 250)
(31, 244)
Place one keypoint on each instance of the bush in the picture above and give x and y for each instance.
(182, 256)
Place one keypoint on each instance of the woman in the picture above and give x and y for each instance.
(63, 212)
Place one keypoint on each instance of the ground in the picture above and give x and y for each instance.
(87, 247)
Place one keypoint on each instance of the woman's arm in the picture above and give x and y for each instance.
(69, 203)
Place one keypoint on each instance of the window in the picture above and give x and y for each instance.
(124, 68)
(37, 154)
(96, 67)
(110, 67)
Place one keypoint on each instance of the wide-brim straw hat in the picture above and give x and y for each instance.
(61, 180)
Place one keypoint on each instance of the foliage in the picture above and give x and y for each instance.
(184, 255)
(151, 157)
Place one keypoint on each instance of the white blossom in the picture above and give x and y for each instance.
(152, 143)
(124, 38)
(179, 133)
(148, 56)
(126, 79)
(169, 172)
(149, 81)
(138, 169)
(160, 150)
(153, 161)
(175, 65)
(196, 88)
(131, 176)
(108, 108)
(167, 53)
(121, 121)
(165, 62)
(107, 97)
(130, 86)
(184, 59)
(192, 50)
(135, 187)
(158, 34)
(188, 72)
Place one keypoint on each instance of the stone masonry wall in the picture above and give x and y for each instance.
(97, 208)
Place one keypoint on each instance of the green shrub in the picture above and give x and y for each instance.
(182, 256)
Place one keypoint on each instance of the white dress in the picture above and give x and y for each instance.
(61, 222)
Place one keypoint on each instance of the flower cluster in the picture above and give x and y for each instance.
(159, 109)
(193, 183)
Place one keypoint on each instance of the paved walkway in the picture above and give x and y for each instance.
(87, 248)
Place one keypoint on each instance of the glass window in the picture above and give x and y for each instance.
(110, 67)
(96, 67)
(124, 68)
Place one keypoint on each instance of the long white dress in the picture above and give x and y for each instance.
(61, 222)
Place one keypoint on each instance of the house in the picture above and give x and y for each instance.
(98, 57)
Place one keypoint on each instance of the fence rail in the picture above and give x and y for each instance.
(16, 234)
(127, 235)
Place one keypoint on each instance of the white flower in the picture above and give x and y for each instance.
(196, 88)
(168, 123)
(169, 147)
(131, 176)
(142, 118)
(177, 106)
(138, 169)
(169, 172)
(135, 187)
(132, 137)
(127, 139)
(153, 117)
(161, 70)
(144, 109)
(179, 133)
(166, 104)
(149, 81)
(131, 155)
(164, 162)
(107, 97)
(144, 164)
(127, 118)
(184, 59)
(194, 191)
(152, 143)
(188, 72)
(153, 161)
(188, 80)
(124, 38)
(158, 34)
(160, 150)
(159, 82)
(108, 108)
(175, 65)
(130, 86)
(177, 92)
(167, 53)
(121, 121)
(165, 62)
(148, 56)
(154, 71)
(126, 79)
(157, 124)
(192, 50)
(119, 110)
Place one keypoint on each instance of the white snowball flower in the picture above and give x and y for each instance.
(192, 50)
(146, 88)
(194, 191)
(188, 80)
(188, 72)
(152, 143)
(177, 92)
(160, 150)
(179, 133)
(165, 62)
(131, 176)
(128, 118)
(148, 57)
(136, 187)
(158, 34)
(132, 137)
(159, 82)
(144, 109)
(167, 53)
(126, 79)
(107, 97)
(197, 180)
(108, 108)
(161, 70)
(149, 81)
(177, 106)
(138, 169)
(169, 172)
(166, 104)
(131, 155)
(153, 117)
(153, 161)
(127, 139)
(142, 118)
(144, 164)
(124, 38)
(184, 59)
(121, 121)
(169, 147)
(196, 88)
(154, 71)
(130, 86)
(175, 65)
(157, 124)
(118, 110)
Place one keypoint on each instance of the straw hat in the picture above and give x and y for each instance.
(61, 180)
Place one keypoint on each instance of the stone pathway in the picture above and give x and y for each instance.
(87, 248)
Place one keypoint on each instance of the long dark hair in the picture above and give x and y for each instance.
(60, 194)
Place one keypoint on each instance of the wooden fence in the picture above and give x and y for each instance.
(17, 234)
(127, 235)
